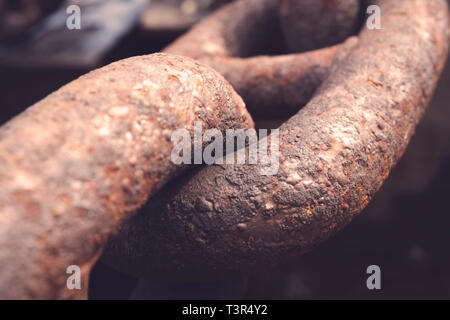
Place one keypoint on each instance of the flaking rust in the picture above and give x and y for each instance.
(74, 166)
(77, 163)
(334, 155)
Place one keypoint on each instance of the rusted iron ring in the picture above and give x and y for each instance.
(335, 154)
(74, 166)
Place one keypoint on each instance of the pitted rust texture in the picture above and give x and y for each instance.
(271, 86)
(77, 163)
(334, 155)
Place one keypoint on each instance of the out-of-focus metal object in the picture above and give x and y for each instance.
(16, 16)
(51, 43)
(176, 15)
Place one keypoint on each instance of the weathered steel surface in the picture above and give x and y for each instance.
(77, 163)
(271, 86)
(334, 155)
(278, 86)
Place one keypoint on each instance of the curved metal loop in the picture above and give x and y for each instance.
(334, 155)
(233, 39)
(74, 166)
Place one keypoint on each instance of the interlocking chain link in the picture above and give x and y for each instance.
(77, 164)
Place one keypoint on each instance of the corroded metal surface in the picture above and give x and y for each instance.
(334, 155)
(74, 166)
(272, 86)
(276, 87)
(77, 163)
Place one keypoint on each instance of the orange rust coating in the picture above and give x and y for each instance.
(77, 163)
(237, 39)
(335, 154)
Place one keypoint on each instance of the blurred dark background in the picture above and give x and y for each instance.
(404, 230)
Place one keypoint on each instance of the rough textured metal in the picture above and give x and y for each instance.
(271, 86)
(77, 163)
(334, 155)
(276, 87)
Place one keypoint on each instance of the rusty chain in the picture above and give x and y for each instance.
(334, 155)
(76, 166)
